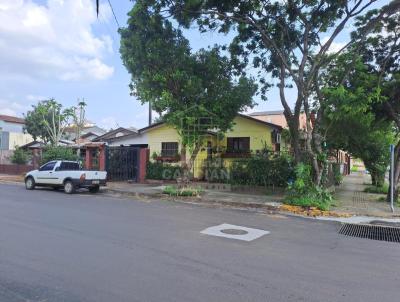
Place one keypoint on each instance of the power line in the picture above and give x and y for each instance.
(112, 10)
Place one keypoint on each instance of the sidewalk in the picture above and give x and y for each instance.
(351, 198)
(269, 202)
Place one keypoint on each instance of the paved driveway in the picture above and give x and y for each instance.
(58, 247)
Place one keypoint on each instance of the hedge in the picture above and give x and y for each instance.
(162, 171)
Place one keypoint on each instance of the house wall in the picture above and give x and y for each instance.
(18, 139)
(12, 134)
(11, 127)
(280, 119)
(260, 136)
(141, 139)
(161, 134)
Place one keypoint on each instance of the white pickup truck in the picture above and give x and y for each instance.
(66, 174)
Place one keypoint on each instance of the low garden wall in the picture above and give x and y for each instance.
(15, 169)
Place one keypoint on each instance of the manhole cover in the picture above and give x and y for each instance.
(234, 232)
(374, 232)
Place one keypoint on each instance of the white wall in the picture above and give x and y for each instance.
(139, 139)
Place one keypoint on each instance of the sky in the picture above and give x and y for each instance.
(60, 49)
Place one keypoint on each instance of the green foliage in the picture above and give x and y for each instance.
(163, 171)
(20, 156)
(47, 120)
(262, 171)
(377, 190)
(185, 191)
(215, 171)
(354, 169)
(304, 193)
(351, 99)
(287, 40)
(58, 153)
(186, 87)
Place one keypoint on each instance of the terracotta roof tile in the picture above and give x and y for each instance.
(12, 119)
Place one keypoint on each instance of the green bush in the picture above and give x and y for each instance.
(377, 190)
(162, 171)
(185, 191)
(262, 171)
(58, 153)
(304, 193)
(20, 156)
(215, 171)
(354, 169)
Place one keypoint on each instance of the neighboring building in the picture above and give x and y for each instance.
(12, 132)
(88, 132)
(115, 134)
(278, 117)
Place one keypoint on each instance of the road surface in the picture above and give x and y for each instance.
(83, 247)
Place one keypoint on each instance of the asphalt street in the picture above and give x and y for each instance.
(84, 247)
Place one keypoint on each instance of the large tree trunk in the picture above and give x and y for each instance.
(187, 163)
(295, 139)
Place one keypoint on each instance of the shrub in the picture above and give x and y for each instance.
(58, 153)
(354, 169)
(162, 171)
(377, 190)
(304, 193)
(262, 171)
(185, 191)
(20, 156)
(215, 171)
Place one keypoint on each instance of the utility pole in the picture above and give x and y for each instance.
(150, 114)
(391, 177)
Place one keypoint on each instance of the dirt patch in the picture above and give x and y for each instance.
(311, 211)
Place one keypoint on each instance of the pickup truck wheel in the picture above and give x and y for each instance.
(29, 183)
(94, 189)
(69, 187)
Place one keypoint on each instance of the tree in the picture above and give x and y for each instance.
(47, 121)
(195, 92)
(363, 88)
(289, 40)
(79, 117)
(380, 52)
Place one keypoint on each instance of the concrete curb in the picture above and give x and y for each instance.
(196, 200)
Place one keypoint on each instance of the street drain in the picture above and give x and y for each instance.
(374, 232)
(234, 232)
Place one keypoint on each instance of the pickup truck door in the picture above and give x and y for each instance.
(45, 174)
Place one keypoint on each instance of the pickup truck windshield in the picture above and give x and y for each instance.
(69, 166)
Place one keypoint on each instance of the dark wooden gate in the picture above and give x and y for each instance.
(122, 163)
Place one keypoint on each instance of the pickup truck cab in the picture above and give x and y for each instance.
(67, 175)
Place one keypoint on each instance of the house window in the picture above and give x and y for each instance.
(238, 144)
(169, 149)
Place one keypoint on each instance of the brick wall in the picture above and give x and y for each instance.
(15, 169)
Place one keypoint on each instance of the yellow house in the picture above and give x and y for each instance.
(248, 135)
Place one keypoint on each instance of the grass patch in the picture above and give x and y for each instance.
(354, 169)
(377, 190)
(185, 191)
